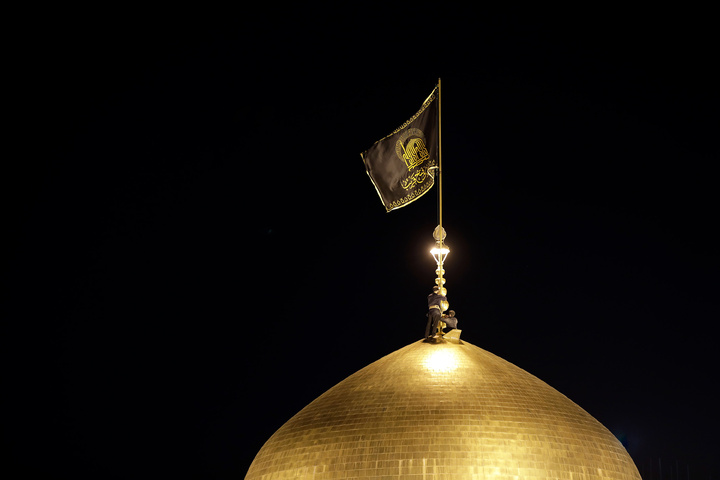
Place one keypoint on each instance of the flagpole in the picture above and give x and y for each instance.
(440, 251)
(440, 155)
(443, 250)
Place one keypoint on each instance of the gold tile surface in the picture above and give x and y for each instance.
(442, 411)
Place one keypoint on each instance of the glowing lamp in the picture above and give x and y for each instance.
(440, 253)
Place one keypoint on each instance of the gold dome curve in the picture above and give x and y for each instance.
(442, 411)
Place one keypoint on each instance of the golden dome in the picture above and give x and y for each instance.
(442, 411)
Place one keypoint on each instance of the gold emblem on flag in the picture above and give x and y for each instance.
(411, 148)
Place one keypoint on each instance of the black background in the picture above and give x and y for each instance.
(196, 252)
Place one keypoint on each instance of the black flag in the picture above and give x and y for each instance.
(400, 164)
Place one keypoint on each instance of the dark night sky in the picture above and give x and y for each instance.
(196, 251)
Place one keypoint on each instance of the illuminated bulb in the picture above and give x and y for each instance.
(440, 253)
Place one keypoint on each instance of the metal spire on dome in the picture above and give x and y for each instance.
(440, 251)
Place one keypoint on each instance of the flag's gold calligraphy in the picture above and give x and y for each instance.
(414, 179)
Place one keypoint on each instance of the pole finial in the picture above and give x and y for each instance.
(440, 253)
